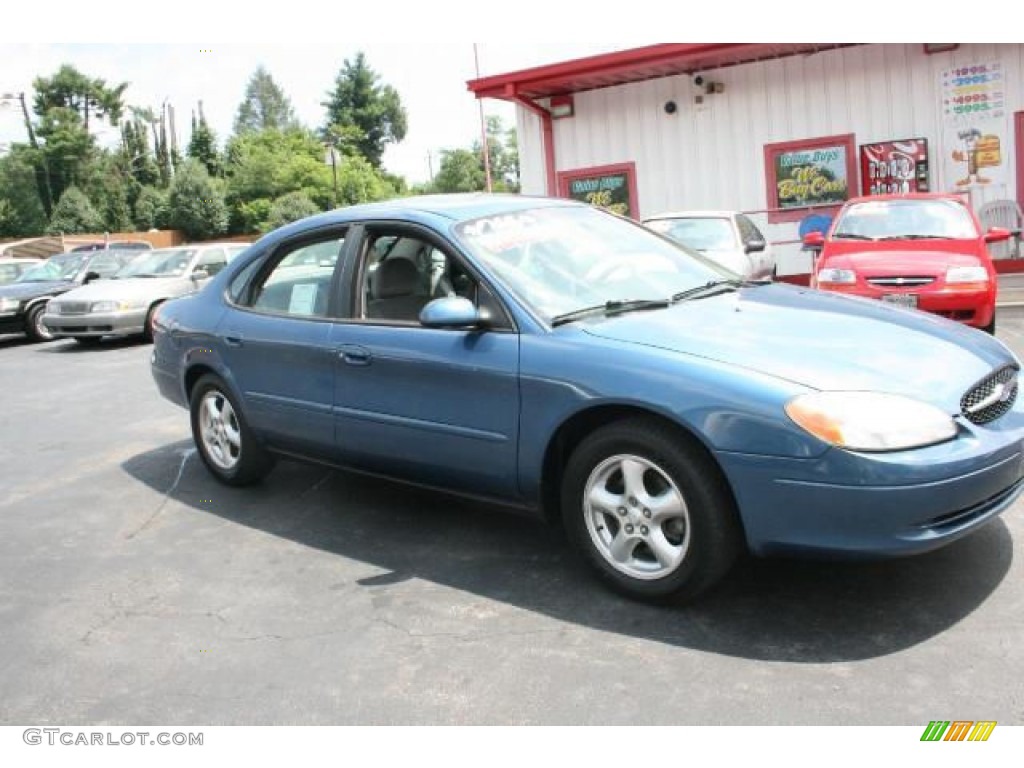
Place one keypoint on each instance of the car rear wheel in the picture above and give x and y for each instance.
(226, 445)
(650, 512)
(34, 327)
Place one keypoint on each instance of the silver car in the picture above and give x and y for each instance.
(124, 304)
(727, 237)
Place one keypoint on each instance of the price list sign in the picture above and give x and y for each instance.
(973, 91)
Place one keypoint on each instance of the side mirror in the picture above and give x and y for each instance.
(755, 246)
(814, 241)
(450, 312)
(199, 274)
(997, 235)
(90, 276)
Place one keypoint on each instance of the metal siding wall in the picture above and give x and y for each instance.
(711, 156)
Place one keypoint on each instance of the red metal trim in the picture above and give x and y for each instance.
(1018, 120)
(564, 177)
(633, 65)
(771, 187)
(547, 136)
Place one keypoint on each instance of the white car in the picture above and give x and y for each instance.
(728, 237)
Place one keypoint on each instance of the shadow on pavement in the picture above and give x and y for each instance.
(776, 610)
(70, 346)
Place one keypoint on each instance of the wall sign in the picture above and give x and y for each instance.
(802, 175)
(894, 167)
(975, 127)
(612, 187)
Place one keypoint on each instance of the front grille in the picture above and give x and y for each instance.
(952, 520)
(991, 397)
(901, 282)
(73, 308)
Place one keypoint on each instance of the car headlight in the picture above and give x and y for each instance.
(840, 276)
(871, 421)
(959, 275)
(8, 304)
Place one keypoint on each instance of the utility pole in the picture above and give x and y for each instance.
(430, 165)
(483, 127)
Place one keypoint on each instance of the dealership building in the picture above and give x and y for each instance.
(782, 131)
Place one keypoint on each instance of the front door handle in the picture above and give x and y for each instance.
(233, 341)
(353, 354)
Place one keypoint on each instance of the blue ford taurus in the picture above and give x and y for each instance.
(552, 356)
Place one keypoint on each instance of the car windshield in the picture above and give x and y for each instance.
(905, 220)
(560, 260)
(703, 234)
(170, 263)
(62, 267)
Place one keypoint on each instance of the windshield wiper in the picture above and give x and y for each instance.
(851, 236)
(916, 237)
(610, 308)
(710, 288)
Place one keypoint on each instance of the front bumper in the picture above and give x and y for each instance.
(971, 307)
(95, 324)
(12, 322)
(882, 504)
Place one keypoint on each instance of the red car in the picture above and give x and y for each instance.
(922, 250)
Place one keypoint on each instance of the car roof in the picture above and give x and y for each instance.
(909, 196)
(692, 215)
(457, 207)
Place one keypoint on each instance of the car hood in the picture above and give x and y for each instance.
(901, 262)
(131, 289)
(31, 290)
(820, 340)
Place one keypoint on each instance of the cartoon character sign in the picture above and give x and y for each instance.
(978, 151)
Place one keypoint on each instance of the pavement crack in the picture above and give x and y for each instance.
(185, 456)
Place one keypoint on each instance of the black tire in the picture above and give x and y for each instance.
(991, 327)
(87, 341)
(251, 462)
(147, 330)
(708, 531)
(34, 327)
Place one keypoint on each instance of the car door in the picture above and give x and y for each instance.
(274, 338)
(438, 407)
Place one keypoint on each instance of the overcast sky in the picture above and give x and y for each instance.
(431, 80)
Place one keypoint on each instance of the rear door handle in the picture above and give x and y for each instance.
(353, 354)
(233, 341)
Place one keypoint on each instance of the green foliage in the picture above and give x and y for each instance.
(196, 203)
(461, 170)
(74, 214)
(72, 90)
(359, 182)
(136, 153)
(151, 209)
(203, 145)
(289, 208)
(364, 113)
(265, 106)
(23, 214)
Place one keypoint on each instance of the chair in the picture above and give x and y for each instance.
(394, 295)
(1005, 214)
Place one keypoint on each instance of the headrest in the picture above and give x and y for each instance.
(395, 277)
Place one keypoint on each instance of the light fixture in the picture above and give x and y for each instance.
(562, 106)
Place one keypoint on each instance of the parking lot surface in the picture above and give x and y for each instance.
(135, 589)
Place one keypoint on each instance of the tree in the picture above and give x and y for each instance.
(461, 171)
(196, 202)
(150, 209)
(503, 154)
(23, 214)
(74, 214)
(70, 89)
(264, 107)
(364, 112)
(203, 144)
(289, 208)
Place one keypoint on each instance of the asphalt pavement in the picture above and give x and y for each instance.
(134, 589)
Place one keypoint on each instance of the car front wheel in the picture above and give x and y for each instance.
(226, 445)
(650, 511)
(35, 329)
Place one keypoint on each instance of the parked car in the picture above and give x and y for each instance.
(117, 245)
(925, 251)
(11, 268)
(666, 413)
(124, 305)
(728, 237)
(23, 302)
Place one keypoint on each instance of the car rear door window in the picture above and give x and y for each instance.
(299, 283)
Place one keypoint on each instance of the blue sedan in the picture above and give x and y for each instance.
(551, 356)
